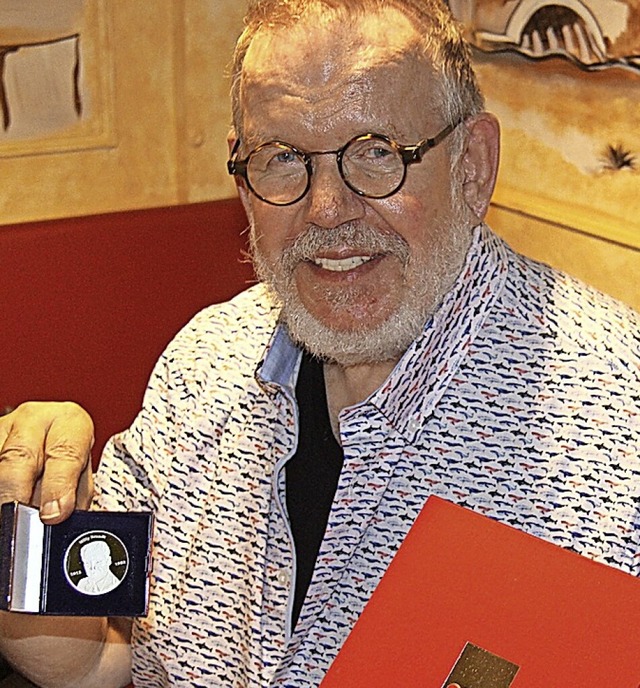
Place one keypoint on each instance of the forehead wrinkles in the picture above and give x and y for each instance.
(268, 100)
(326, 49)
(396, 99)
(316, 62)
(300, 68)
(331, 35)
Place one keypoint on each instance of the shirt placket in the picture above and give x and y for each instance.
(364, 479)
(279, 559)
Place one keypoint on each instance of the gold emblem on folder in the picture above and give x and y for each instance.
(478, 668)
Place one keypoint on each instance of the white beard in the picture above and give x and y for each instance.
(428, 276)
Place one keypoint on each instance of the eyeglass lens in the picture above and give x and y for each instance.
(277, 173)
(370, 165)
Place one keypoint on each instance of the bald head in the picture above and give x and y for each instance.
(423, 27)
(318, 69)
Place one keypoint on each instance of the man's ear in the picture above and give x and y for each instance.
(480, 162)
(243, 192)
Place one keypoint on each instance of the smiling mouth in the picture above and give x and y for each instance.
(342, 264)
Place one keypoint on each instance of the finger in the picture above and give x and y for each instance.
(36, 434)
(66, 481)
(21, 458)
(5, 424)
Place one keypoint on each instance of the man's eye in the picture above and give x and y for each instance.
(372, 152)
(285, 157)
(379, 152)
(280, 160)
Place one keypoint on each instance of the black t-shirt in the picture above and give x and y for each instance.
(311, 474)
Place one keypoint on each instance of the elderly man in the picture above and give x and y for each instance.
(395, 348)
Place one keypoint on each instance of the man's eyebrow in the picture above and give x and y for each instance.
(252, 141)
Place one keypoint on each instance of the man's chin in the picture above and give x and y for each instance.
(344, 323)
(350, 344)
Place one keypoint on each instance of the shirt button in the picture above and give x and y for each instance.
(282, 577)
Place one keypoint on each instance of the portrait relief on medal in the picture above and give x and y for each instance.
(96, 562)
(563, 76)
(54, 75)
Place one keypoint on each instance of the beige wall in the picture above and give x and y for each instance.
(610, 267)
(212, 27)
(169, 118)
(162, 139)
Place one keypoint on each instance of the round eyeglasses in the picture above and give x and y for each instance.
(371, 165)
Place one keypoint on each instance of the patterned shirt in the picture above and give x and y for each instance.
(520, 400)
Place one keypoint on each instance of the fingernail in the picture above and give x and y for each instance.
(50, 510)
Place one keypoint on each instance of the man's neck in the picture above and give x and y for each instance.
(351, 385)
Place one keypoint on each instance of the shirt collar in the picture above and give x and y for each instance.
(281, 362)
(422, 375)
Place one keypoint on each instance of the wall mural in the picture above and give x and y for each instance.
(42, 72)
(54, 74)
(564, 78)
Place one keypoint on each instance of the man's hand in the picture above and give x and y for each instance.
(45, 452)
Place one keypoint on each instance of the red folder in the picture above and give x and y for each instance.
(460, 577)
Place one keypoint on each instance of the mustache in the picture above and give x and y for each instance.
(356, 235)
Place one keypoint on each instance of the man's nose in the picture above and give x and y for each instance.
(330, 201)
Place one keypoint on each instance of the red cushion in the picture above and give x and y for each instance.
(89, 303)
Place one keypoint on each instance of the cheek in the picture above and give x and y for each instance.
(424, 204)
(412, 217)
(274, 228)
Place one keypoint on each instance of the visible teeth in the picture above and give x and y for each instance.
(342, 264)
